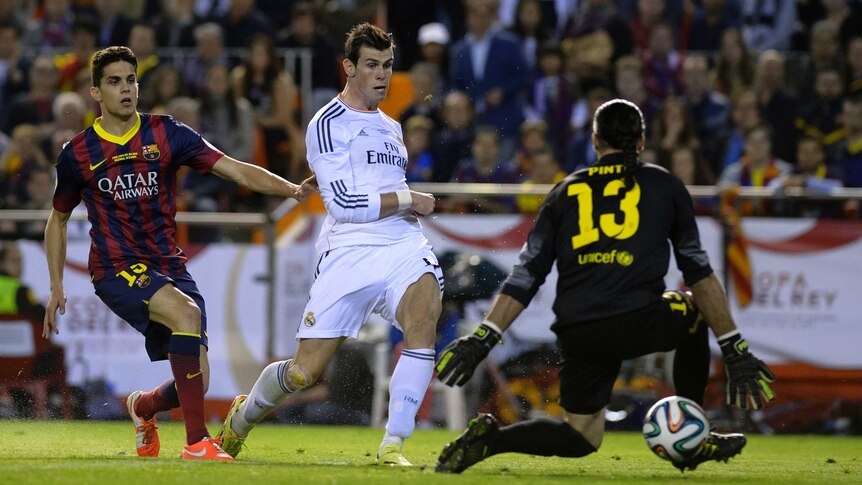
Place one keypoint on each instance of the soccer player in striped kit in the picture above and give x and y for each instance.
(373, 256)
(124, 168)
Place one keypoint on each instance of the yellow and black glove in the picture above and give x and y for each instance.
(459, 359)
(748, 377)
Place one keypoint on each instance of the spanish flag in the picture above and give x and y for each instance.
(738, 263)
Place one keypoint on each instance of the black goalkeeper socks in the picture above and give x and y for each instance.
(544, 437)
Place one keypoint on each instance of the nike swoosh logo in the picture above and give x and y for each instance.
(94, 167)
(196, 453)
(192, 376)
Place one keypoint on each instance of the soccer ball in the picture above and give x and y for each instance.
(675, 428)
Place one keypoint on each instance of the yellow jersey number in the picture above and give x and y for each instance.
(136, 269)
(607, 222)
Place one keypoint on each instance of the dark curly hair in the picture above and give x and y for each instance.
(620, 124)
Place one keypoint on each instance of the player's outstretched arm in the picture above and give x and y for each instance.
(458, 361)
(748, 377)
(55, 249)
(258, 179)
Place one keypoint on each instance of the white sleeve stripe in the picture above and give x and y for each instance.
(345, 200)
(324, 132)
(320, 135)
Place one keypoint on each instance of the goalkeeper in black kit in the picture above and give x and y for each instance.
(610, 229)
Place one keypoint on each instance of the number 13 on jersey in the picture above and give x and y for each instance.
(607, 222)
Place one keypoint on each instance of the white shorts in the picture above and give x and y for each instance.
(353, 282)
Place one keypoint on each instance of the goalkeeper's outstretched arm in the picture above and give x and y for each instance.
(748, 377)
(459, 359)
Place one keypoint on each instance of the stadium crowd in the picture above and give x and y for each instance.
(735, 92)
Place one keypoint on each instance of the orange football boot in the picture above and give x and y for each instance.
(146, 432)
(205, 449)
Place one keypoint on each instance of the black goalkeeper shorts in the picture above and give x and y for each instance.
(591, 353)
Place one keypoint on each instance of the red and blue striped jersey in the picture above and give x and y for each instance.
(128, 185)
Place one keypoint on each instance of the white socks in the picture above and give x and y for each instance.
(268, 392)
(410, 380)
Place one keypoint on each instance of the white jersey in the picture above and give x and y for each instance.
(358, 155)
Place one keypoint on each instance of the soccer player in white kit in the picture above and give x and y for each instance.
(373, 256)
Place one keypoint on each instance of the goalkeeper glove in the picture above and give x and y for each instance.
(748, 377)
(459, 359)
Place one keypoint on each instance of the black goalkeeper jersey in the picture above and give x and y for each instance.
(611, 244)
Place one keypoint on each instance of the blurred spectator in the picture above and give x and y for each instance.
(54, 29)
(854, 65)
(734, 68)
(165, 83)
(649, 13)
(304, 32)
(545, 170)
(209, 51)
(23, 156)
(242, 21)
(175, 26)
(630, 86)
(602, 16)
(114, 24)
(56, 141)
(20, 299)
(417, 140)
(757, 168)
(768, 24)
(846, 157)
(83, 83)
(555, 14)
(426, 93)
(142, 41)
(691, 169)
(484, 166)
(406, 19)
(533, 139)
(673, 129)
(744, 115)
(710, 20)
(226, 119)
(11, 12)
(38, 195)
(273, 95)
(433, 41)
(34, 106)
(810, 173)
(709, 109)
(14, 65)
(70, 112)
(488, 65)
(533, 30)
(819, 116)
(452, 142)
(824, 52)
(662, 63)
(579, 151)
(851, 26)
(777, 104)
(85, 31)
(200, 193)
(553, 96)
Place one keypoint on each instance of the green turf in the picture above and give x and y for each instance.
(100, 452)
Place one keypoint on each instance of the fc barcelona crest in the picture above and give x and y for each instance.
(151, 152)
(143, 281)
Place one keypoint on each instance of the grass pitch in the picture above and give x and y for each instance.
(103, 452)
